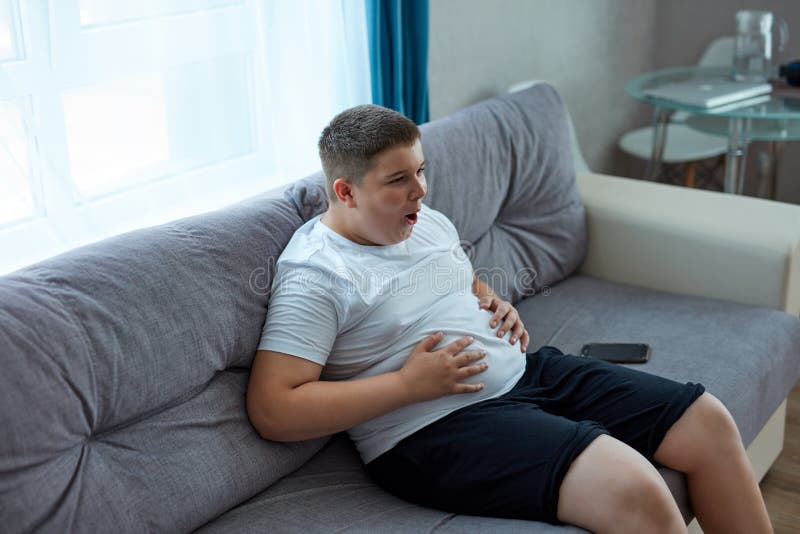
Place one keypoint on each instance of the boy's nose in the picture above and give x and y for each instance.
(420, 188)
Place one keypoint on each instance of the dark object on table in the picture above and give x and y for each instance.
(791, 72)
(789, 93)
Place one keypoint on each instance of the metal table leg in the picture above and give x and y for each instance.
(660, 121)
(769, 177)
(738, 133)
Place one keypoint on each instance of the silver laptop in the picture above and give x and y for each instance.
(708, 92)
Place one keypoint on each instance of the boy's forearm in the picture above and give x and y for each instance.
(322, 408)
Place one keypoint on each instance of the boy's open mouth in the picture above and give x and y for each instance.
(411, 218)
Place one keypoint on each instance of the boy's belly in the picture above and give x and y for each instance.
(503, 358)
(394, 313)
(506, 367)
(383, 343)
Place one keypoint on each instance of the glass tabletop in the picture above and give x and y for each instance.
(760, 130)
(778, 105)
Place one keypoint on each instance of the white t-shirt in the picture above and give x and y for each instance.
(359, 311)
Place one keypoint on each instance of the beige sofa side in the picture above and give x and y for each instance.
(693, 242)
(700, 243)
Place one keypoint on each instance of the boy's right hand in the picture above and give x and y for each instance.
(430, 374)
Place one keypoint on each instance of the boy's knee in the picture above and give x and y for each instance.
(642, 500)
(612, 488)
(717, 420)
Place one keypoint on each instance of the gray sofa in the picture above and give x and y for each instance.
(125, 363)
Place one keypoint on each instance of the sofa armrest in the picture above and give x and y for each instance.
(691, 241)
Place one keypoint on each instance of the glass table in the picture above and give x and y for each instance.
(776, 118)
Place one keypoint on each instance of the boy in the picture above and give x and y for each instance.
(428, 371)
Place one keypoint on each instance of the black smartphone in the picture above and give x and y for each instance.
(617, 352)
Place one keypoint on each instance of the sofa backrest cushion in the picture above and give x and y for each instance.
(124, 371)
(502, 170)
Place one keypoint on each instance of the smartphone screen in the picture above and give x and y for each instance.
(617, 352)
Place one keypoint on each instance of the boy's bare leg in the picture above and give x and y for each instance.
(610, 487)
(705, 444)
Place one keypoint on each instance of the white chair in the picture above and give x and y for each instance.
(577, 156)
(684, 145)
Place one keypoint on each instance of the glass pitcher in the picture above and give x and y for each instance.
(753, 50)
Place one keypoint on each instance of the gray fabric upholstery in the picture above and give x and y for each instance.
(502, 170)
(333, 493)
(125, 365)
(748, 357)
(722, 345)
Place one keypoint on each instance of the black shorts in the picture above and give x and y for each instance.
(506, 457)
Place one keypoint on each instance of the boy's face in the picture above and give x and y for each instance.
(389, 197)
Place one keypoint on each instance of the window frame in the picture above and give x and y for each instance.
(53, 46)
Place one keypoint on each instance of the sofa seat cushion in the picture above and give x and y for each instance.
(748, 357)
(333, 492)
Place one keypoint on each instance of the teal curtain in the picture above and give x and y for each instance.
(398, 50)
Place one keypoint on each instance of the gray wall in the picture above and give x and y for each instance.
(587, 49)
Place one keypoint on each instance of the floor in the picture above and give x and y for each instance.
(781, 485)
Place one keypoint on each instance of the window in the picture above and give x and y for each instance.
(116, 115)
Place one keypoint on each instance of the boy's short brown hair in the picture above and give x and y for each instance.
(354, 136)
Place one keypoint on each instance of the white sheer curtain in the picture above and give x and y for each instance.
(116, 115)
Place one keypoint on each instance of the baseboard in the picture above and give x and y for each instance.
(763, 451)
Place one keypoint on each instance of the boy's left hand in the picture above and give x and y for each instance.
(506, 316)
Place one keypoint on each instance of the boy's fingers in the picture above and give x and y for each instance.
(516, 332)
(502, 310)
(511, 318)
(523, 341)
(466, 358)
(430, 342)
(456, 346)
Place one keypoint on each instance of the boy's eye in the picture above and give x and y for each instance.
(400, 178)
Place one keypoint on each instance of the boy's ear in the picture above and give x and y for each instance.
(344, 192)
